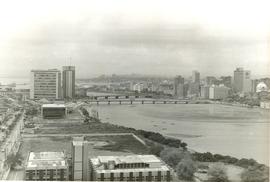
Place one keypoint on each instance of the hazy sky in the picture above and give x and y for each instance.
(145, 37)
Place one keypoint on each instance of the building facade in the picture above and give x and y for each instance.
(179, 87)
(242, 80)
(205, 92)
(80, 162)
(56, 111)
(47, 166)
(68, 81)
(129, 168)
(218, 92)
(195, 76)
(45, 84)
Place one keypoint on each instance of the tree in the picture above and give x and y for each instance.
(185, 169)
(156, 149)
(255, 174)
(217, 173)
(13, 160)
(172, 156)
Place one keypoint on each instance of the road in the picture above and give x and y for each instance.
(16, 175)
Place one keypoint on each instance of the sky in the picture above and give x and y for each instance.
(144, 37)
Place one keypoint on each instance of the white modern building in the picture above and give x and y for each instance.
(47, 166)
(218, 92)
(115, 168)
(129, 168)
(45, 84)
(68, 81)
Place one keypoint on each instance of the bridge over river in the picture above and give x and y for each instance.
(137, 101)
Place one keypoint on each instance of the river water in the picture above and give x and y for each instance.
(228, 130)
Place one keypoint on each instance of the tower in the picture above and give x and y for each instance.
(68, 81)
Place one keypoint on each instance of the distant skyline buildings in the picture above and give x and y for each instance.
(179, 82)
(195, 76)
(242, 80)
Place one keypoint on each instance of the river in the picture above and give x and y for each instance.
(228, 130)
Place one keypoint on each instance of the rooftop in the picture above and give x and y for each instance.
(46, 160)
(155, 163)
(53, 106)
(129, 159)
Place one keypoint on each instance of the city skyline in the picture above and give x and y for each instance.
(127, 38)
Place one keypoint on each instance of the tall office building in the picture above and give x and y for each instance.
(179, 86)
(80, 163)
(195, 76)
(45, 84)
(242, 82)
(68, 81)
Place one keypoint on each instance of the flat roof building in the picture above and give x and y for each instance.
(53, 111)
(45, 84)
(129, 168)
(48, 166)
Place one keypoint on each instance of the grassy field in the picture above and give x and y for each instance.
(99, 145)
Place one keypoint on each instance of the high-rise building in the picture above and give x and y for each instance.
(205, 92)
(210, 80)
(242, 80)
(195, 76)
(68, 81)
(179, 86)
(45, 84)
(79, 153)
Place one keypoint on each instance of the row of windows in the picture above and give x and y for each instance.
(143, 178)
(131, 177)
(132, 165)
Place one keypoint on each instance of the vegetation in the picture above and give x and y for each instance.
(172, 156)
(255, 174)
(209, 157)
(155, 149)
(185, 169)
(217, 173)
(157, 137)
(32, 111)
(13, 160)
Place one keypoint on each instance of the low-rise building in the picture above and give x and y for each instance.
(218, 92)
(53, 111)
(46, 166)
(265, 104)
(129, 168)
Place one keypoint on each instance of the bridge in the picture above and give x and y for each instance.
(137, 101)
(118, 96)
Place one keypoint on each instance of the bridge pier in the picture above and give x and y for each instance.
(175, 102)
(131, 102)
(97, 102)
(142, 102)
(120, 102)
(154, 102)
(164, 102)
(109, 102)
